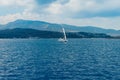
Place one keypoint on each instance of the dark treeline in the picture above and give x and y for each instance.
(27, 33)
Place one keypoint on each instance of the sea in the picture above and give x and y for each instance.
(49, 59)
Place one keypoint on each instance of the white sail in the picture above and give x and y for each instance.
(64, 39)
(64, 34)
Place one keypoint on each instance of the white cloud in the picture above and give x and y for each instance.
(84, 8)
(55, 9)
(15, 2)
(27, 5)
(76, 12)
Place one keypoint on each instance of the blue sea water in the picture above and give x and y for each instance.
(48, 59)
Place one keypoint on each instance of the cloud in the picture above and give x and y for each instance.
(15, 2)
(77, 12)
(67, 8)
(86, 8)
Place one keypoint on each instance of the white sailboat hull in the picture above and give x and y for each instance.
(62, 40)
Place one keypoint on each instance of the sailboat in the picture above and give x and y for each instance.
(64, 39)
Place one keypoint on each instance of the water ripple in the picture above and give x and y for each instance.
(42, 59)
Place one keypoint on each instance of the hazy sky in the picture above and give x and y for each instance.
(101, 13)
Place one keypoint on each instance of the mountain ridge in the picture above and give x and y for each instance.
(42, 25)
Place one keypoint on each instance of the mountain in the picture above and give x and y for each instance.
(99, 30)
(41, 25)
(32, 33)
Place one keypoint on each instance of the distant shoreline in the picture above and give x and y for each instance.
(36, 34)
(58, 38)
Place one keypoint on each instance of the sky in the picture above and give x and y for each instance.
(100, 13)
